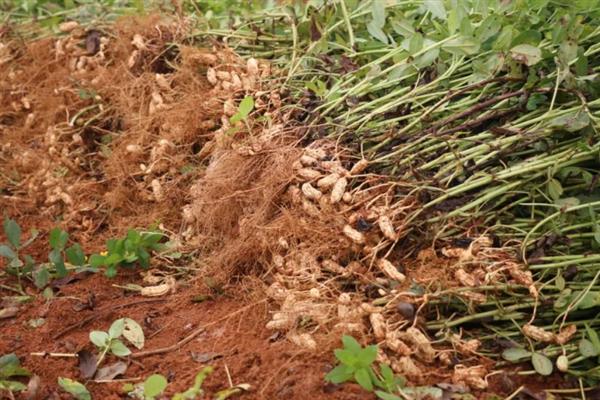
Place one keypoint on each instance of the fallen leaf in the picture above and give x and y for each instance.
(205, 357)
(9, 312)
(92, 42)
(87, 363)
(32, 388)
(36, 322)
(110, 372)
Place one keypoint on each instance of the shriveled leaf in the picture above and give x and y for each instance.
(424, 392)
(526, 54)
(571, 122)
(542, 364)
(110, 372)
(87, 363)
(133, 332)
(78, 390)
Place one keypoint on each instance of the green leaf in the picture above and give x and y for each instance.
(97, 260)
(363, 379)
(461, 45)
(403, 27)
(154, 385)
(367, 356)
(99, 338)
(116, 329)
(555, 189)
(386, 373)
(594, 338)
(515, 354)
(133, 332)
(118, 348)
(526, 54)
(12, 386)
(535, 100)
(571, 122)
(351, 344)
(531, 37)
(12, 231)
(41, 277)
(386, 396)
(415, 43)
(537, 4)
(587, 349)
(341, 373)
(542, 364)
(436, 8)
(346, 356)
(378, 13)
(78, 390)
(567, 51)
(58, 238)
(75, 255)
(56, 259)
(244, 109)
(7, 252)
(376, 32)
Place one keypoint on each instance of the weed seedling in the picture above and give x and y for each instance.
(10, 368)
(357, 364)
(76, 389)
(110, 342)
(10, 251)
(134, 248)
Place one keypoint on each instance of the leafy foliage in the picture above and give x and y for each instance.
(109, 342)
(78, 390)
(10, 368)
(133, 248)
(356, 364)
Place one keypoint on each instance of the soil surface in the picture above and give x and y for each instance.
(233, 340)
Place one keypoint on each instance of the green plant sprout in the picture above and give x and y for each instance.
(17, 265)
(109, 342)
(133, 248)
(76, 389)
(10, 368)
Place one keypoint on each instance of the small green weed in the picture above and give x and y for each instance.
(133, 248)
(18, 264)
(10, 368)
(110, 342)
(156, 384)
(76, 389)
(356, 363)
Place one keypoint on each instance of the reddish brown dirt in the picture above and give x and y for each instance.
(234, 330)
